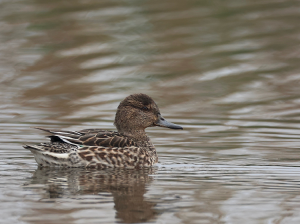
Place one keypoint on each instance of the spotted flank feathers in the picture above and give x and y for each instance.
(130, 147)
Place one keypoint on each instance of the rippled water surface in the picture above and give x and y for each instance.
(227, 71)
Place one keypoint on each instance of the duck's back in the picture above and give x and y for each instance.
(92, 137)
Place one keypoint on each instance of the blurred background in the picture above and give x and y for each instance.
(227, 71)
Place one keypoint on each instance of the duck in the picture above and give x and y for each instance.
(128, 147)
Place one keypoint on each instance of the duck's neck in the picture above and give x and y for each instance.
(138, 136)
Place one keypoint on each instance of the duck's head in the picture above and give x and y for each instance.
(137, 112)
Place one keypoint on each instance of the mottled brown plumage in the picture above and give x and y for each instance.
(130, 147)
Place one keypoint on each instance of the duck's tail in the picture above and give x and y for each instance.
(34, 148)
(47, 156)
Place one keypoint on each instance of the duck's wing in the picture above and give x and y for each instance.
(90, 137)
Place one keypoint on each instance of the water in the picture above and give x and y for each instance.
(227, 71)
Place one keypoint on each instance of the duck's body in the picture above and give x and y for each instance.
(130, 147)
(93, 148)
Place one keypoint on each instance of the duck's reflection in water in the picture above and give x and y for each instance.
(126, 186)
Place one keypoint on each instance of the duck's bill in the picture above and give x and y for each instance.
(164, 123)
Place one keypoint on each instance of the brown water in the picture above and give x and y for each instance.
(227, 71)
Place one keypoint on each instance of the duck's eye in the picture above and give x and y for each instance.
(145, 108)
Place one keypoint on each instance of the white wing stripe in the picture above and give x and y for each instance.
(64, 138)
